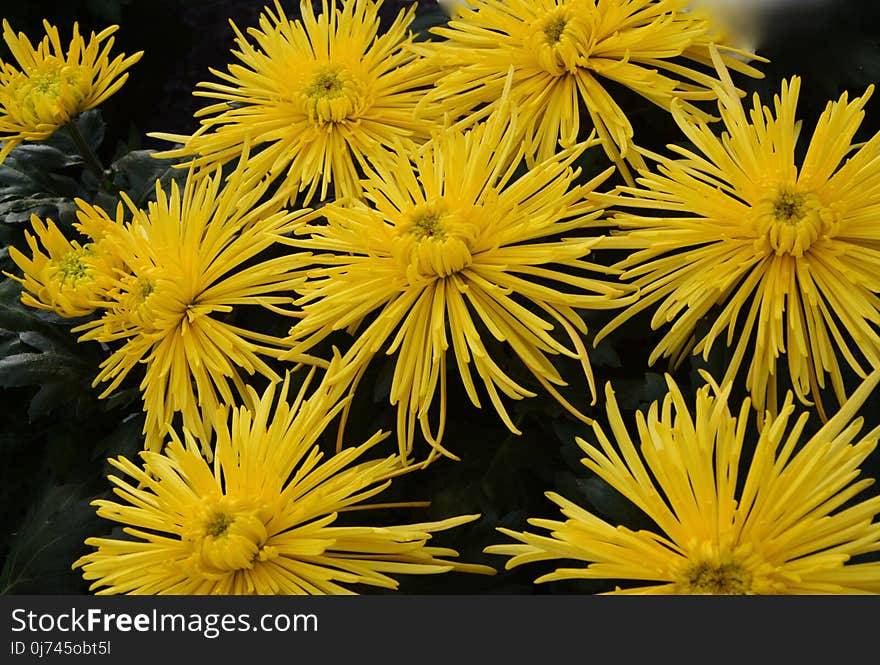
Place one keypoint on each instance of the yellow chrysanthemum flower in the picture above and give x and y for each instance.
(67, 279)
(261, 518)
(791, 525)
(50, 87)
(453, 245)
(191, 260)
(320, 96)
(796, 247)
(561, 51)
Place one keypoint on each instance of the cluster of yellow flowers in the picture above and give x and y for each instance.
(452, 212)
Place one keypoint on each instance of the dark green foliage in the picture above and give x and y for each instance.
(50, 533)
(53, 465)
(53, 442)
(137, 173)
(40, 178)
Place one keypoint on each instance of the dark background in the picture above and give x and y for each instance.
(835, 46)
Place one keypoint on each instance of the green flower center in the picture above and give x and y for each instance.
(50, 95)
(727, 579)
(133, 302)
(434, 240)
(218, 524)
(146, 288)
(327, 84)
(788, 207)
(429, 226)
(554, 29)
(334, 94)
(788, 220)
(48, 85)
(72, 267)
(226, 535)
(561, 38)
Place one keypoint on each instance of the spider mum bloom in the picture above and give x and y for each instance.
(67, 278)
(51, 86)
(191, 260)
(320, 97)
(791, 525)
(449, 248)
(561, 52)
(782, 256)
(262, 518)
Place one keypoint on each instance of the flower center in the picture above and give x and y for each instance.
(72, 267)
(51, 94)
(132, 298)
(788, 207)
(428, 226)
(553, 29)
(789, 220)
(434, 240)
(334, 94)
(726, 579)
(327, 84)
(219, 524)
(226, 535)
(138, 292)
(48, 85)
(561, 40)
(146, 288)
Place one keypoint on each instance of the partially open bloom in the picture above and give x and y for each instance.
(319, 97)
(781, 259)
(262, 518)
(561, 52)
(66, 278)
(191, 261)
(787, 522)
(455, 246)
(51, 86)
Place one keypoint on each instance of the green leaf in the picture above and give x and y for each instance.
(21, 179)
(15, 180)
(13, 315)
(33, 181)
(137, 172)
(48, 540)
(47, 399)
(121, 398)
(90, 124)
(10, 346)
(50, 339)
(37, 369)
(40, 341)
(45, 157)
(60, 369)
(19, 210)
(127, 440)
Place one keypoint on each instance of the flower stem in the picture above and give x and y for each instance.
(91, 160)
